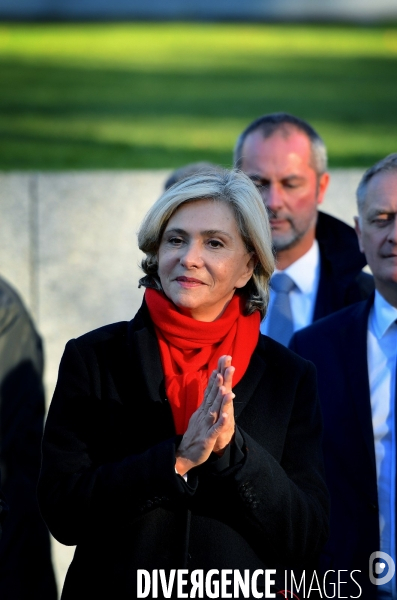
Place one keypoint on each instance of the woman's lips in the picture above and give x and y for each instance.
(188, 281)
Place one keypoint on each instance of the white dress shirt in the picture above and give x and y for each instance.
(382, 356)
(305, 273)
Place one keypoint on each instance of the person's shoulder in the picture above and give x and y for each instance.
(334, 323)
(11, 307)
(275, 355)
(102, 334)
(108, 334)
(329, 226)
(9, 296)
(338, 245)
(339, 240)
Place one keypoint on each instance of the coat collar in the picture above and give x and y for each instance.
(245, 388)
(143, 347)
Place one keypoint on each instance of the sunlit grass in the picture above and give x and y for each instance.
(161, 95)
(200, 45)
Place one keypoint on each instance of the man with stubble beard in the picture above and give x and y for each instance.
(319, 263)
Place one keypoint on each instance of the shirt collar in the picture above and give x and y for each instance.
(303, 270)
(384, 315)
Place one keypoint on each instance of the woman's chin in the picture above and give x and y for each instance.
(186, 302)
(192, 304)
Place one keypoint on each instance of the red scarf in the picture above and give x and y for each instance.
(190, 349)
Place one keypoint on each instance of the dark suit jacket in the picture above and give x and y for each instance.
(108, 482)
(26, 571)
(337, 345)
(342, 281)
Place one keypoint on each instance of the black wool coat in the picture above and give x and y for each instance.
(108, 482)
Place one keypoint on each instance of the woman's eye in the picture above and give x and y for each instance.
(215, 244)
(175, 241)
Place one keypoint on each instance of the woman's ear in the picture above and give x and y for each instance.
(249, 269)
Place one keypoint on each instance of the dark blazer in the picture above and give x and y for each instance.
(26, 571)
(108, 482)
(337, 345)
(342, 281)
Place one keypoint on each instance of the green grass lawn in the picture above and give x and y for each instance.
(161, 95)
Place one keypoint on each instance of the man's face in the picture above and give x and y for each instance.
(377, 232)
(280, 166)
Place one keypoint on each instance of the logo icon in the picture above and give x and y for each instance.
(378, 573)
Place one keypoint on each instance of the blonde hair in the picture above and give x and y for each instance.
(238, 191)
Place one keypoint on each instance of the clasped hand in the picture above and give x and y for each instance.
(211, 426)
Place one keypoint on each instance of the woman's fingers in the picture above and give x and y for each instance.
(218, 427)
(226, 370)
(224, 362)
(223, 404)
(227, 405)
(227, 415)
(228, 378)
(222, 376)
(214, 408)
(211, 427)
(219, 384)
(212, 389)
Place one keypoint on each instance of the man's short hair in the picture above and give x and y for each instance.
(190, 169)
(284, 122)
(386, 165)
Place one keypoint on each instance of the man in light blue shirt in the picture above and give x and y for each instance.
(355, 352)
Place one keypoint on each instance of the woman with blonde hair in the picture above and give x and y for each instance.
(184, 439)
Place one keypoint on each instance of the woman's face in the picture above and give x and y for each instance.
(202, 259)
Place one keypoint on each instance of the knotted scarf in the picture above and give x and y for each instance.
(190, 349)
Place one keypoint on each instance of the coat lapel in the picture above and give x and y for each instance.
(143, 349)
(146, 351)
(247, 385)
(325, 300)
(356, 372)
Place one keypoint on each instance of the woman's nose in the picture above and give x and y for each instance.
(192, 256)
